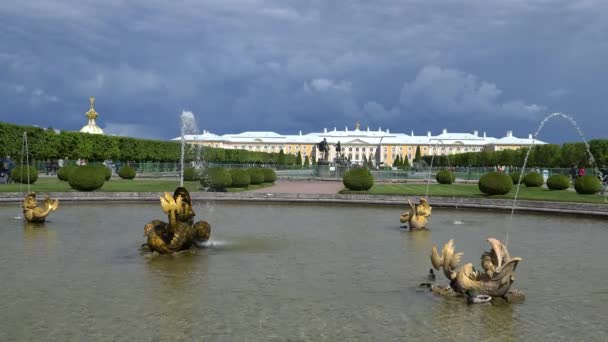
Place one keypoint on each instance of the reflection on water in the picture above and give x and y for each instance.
(298, 272)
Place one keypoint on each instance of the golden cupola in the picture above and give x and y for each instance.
(91, 127)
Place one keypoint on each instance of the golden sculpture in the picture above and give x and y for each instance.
(416, 216)
(494, 280)
(181, 232)
(34, 213)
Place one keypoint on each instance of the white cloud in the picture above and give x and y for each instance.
(132, 130)
(325, 85)
(445, 91)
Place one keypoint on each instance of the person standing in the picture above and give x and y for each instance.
(581, 171)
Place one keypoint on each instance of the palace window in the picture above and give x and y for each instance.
(289, 148)
(265, 147)
(357, 150)
(385, 149)
(357, 156)
(409, 148)
(363, 149)
(242, 147)
(425, 148)
(385, 156)
(250, 147)
(350, 149)
(392, 150)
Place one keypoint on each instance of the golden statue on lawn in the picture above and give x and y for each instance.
(416, 216)
(37, 214)
(181, 232)
(495, 278)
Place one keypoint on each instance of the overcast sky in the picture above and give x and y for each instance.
(285, 66)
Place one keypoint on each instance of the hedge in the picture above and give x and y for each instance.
(358, 179)
(64, 172)
(105, 171)
(558, 182)
(515, 177)
(495, 183)
(86, 178)
(445, 177)
(126, 172)
(587, 185)
(240, 178)
(269, 175)
(216, 178)
(533, 180)
(256, 175)
(20, 174)
(190, 174)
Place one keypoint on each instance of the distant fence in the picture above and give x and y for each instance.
(153, 169)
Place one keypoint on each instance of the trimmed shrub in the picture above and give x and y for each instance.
(558, 182)
(104, 170)
(190, 174)
(64, 172)
(533, 180)
(256, 175)
(20, 174)
(216, 178)
(515, 177)
(269, 175)
(86, 178)
(587, 185)
(240, 178)
(126, 172)
(445, 177)
(495, 183)
(358, 179)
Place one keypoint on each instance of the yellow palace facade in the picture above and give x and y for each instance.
(357, 143)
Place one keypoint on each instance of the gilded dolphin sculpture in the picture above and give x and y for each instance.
(416, 216)
(496, 278)
(180, 232)
(34, 213)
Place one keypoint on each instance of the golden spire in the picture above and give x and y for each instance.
(91, 114)
(357, 125)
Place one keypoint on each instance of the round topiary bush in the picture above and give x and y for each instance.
(495, 183)
(240, 178)
(533, 180)
(190, 174)
(64, 172)
(216, 178)
(358, 179)
(86, 178)
(558, 182)
(126, 172)
(515, 177)
(104, 170)
(256, 175)
(269, 175)
(445, 177)
(587, 185)
(24, 174)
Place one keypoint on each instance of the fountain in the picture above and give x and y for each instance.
(33, 213)
(180, 233)
(416, 216)
(188, 123)
(494, 281)
(574, 124)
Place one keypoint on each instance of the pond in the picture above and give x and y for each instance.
(276, 272)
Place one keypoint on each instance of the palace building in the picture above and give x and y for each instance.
(357, 144)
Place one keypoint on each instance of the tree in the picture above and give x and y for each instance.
(306, 162)
(405, 163)
(281, 158)
(298, 160)
(397, 161)
(418, 155)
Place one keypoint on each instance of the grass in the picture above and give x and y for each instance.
(471, 190)
(48, 184)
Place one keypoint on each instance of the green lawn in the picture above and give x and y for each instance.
(116, 185)
(471, 190)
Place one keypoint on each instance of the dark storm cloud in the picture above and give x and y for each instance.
(290, 65)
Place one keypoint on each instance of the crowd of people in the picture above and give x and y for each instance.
(6, 166)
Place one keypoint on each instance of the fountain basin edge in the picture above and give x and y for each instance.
(586, 209)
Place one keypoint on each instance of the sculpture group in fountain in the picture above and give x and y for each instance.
(494, 280)
(180, 233)
(37, 214)
(416, 216)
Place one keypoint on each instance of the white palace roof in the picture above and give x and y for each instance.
(364, 137)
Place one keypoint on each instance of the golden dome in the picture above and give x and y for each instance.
(91, 127)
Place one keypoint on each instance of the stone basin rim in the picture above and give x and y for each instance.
(584, 209)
